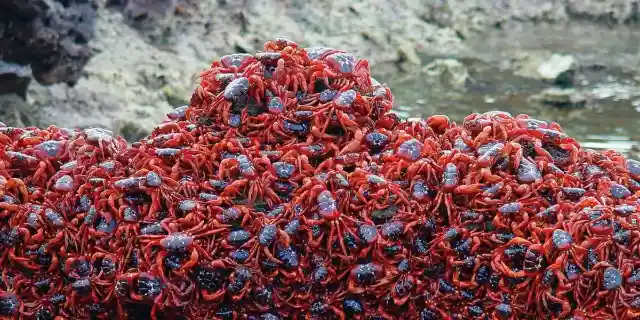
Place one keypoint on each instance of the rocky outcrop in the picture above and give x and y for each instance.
(146, 54)
(146, 63)
(451, 73)
(609, 12)
(14, 78)
(51, 37)
(154, 18)
(128, 86)
(469, 16)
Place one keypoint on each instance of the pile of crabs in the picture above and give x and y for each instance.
(288, 190)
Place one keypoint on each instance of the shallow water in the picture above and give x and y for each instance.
(610, 119)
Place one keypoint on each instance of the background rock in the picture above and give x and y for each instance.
(126, 85)
(49, 36)
(14, 78)
(147, 54)
(16, 112)
(561, 97)
(450, 71)
(559, 69)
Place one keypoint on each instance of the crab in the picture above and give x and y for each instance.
(94, 145)
(398, 282)
(10, 241)
(179, 243)
(342, 106)
(269, 237)
(378, 188)
(322, 210)
(363, 277)
(140, 287)
(340, 64)
(252, 184)
(518, 258)
(10, 304)
(363, 141)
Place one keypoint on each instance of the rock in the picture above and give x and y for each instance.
(526, 63)
(16, 112)
(14, 78)
(468, 17)
(139, 9)
(407, 57)
(127, 87)
(154, 18)
(472, 17)
(133, 79)
(634, 152)
(50, 36)
(561, 97)
(560, 69)
(607, 12)
(556, 68)
(177, 95)
(450, 71)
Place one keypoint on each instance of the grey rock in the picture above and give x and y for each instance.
(16, 112)
(14, 78)
(451, 72)
(50, 36)
(471, 16)
(634, 152)
(154, 18)
(608, 12)
(561, 97)
(126, 84)
(138, 9)
(559, 68)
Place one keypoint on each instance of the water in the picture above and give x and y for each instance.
(610, 119)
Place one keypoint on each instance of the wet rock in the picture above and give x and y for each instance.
(14, 78)
(556, 68)
(451, 72)
(50, 36)
(561, 97)
(407, 57)
(560, 69)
